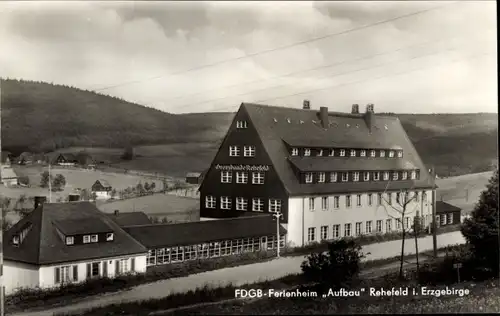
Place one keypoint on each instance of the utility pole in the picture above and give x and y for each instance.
(434, 224)
(50, 185)
(278, 216)
(2, 288)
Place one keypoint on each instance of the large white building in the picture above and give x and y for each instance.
(330, 174)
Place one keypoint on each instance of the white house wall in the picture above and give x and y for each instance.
(19, 275)
(301, 217)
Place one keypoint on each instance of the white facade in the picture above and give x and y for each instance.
(307, 224)
(103, 195)
(18, 275)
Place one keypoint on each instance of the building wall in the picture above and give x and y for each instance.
(456, 218)
(301, 218)
(19, 275)
(103, 195)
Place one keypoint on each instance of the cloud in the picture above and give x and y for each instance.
(151, 51)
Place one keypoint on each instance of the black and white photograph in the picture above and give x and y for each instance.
(248, 158)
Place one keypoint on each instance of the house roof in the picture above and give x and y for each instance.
(153, 205)
(92, 225)
(277, 126)
(104, 183)
(8, 173)
(165, 235)
(130, 218)
(5, 155)
(68, 156)
(443, 207)
(26, 155)
(43, 245)
(193, 175)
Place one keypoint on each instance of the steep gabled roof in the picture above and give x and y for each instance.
(130, 218)
(280, 126)
(43, 244)
(104, 183)
(443, 207)
(165, 235)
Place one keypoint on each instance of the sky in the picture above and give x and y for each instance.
(180, 57)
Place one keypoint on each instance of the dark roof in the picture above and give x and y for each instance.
(68, 156)
(277, 125)
(104, 183)
(43, 244)
(130, 218)
(91, 225)
(193, 175)
(443, 207)
(164, 235)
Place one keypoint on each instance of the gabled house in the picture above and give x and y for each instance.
(25, 158)
(8, 176)
(84, 159)
(194, 178)
(102, 189)
(447, 214)
(67, 242)
(65, 159)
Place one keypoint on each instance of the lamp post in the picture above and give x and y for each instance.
(278, 216)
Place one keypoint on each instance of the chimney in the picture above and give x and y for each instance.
(370, 108)
(355, 109)
(323, 116)
(117, 212)
(306, 105)
(74, 197)
(39, 200)
(369, 117)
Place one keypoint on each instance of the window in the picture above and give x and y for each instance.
(274, 205)
(363, 153)
(86, 239)
(424, 196)
(443, 219)
(319, 153)
(344, 177)
(241, 124)
(398, 197)
(356, 176)
(324, 202)
(450, 218)
(123, 266)
(358, 200)
(347, 230)
(257, 205)
(382, 153)
(162, 255)
(391, 154)
(324, 232)
(336, 231)
(353, 153)
(226, 177)
(388, 225)
(379, 226)
(321, 177)
(295, 151)
(93, 269)
(331, 153)
(372, 153)
(389, 198)
(311, 234)
(311, 204)
(395, 175)
(413, 175)
(94, 238)
(400, 153)
(348, 201)
(366, 176)
(358, 228)
(342, 153)
(386, 175)
(370, 199)
(62, 274)
(379, 198)
(336, 201)
(333, 177)
(210, 201)
(70, 240)
(249, 151)
(241, 204)
(376, 176)
(241, 177)
(307, 152)
(309, 177)
(234, 151)
(398, 223)
(225, 202)
(151, 260)
(368, 229)
(407, 222)
(110, 236)
(15, 240)
(404, 175)
(258, 177)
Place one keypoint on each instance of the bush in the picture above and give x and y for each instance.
(24, 180)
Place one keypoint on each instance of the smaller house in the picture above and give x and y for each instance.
(84, 159)
(25, 158)
(447, 214)
(65, 159)
(102, 189)
(194, 178)
(8, 176)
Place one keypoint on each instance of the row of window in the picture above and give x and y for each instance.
(226, 203)
(87, 239)
(241, 124)
(399, 197)
(356, 176)
(306, 152)
(69, 274)
(248, 151)
(212, 250)
(242, 177)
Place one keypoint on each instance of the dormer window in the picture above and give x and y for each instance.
(391, 154)
(333, 177)
(331, 153)
(376, 176)
(400, 154)
(413, 175)
(295, 151)
(241, 124)
(321, 177)
(372, 153)
(363, 153)
(366, 176)
(356, 176)
(110, 236)
(342, 153)
(386, 175)
(94, 238)
(309, 177)
(382, 153)
(353, 153)
(320, 153)
(395, 175)
(404, 176)
(70, 240)
(86, 239)
(307, 152)
(15, 240)
(344, 177)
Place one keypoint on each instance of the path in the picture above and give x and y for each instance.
(241, 275)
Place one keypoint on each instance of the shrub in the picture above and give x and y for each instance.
(24, 180)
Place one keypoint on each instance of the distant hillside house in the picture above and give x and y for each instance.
(6, 158)
(102, 189)
(447, 214)
(65, 159)
(194, 178)
(84, 159)
(56, 244)
(25, 158)
(8, 176)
